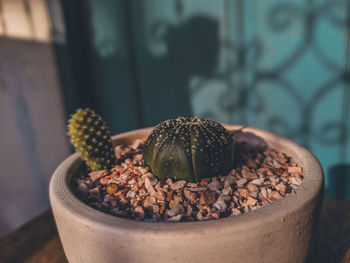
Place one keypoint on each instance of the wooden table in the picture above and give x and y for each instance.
(37, 241)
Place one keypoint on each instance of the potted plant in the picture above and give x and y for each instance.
(279, 231)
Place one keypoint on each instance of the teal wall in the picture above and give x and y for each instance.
(273, 64)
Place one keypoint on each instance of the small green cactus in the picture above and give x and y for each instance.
(188, 148)
(91, 137)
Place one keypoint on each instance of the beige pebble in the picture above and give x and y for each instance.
(251, 201)
(241, 182)
(173, 203)
(248, 175)
(281, 188)
(176, 210)
(149, 201)
(295, 170)
(191, 196)
(178, 185)
(207, 197)
(235, 211)
(252, 188)
(160, 195)
(149, 186)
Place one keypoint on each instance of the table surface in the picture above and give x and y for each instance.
(37, 241)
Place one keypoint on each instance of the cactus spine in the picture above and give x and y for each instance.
(91, 137)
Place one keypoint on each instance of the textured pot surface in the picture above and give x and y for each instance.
(279, 232)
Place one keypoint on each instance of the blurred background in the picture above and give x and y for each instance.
(274, 64)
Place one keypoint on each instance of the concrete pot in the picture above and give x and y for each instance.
(279, 232)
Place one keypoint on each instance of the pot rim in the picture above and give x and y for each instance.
(61, 195)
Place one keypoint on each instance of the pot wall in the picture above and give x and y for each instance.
(279, 232)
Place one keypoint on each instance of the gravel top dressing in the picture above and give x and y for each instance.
(261, 176)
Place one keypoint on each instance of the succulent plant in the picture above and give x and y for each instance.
(188, 148)
(91, 137)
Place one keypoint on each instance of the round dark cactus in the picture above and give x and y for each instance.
(188, 148)
(91, 137)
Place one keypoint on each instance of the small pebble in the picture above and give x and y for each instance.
(190, 195)
(130, 189)
(258, 181)
(175, 218)
(178, 185)
(220, 205)
(95, 175)
(251, 201)
(249, 175)
(235, 211)
(173, 203)
(229, 180)
(160, 195)
(149, 186)
(112, 188)
(241, 182)
(215, 185)
(252, 188)
(207, 197)
(179, 209)
(83, 190)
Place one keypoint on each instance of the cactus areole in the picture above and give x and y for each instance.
(188, 148)
(91, 137)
